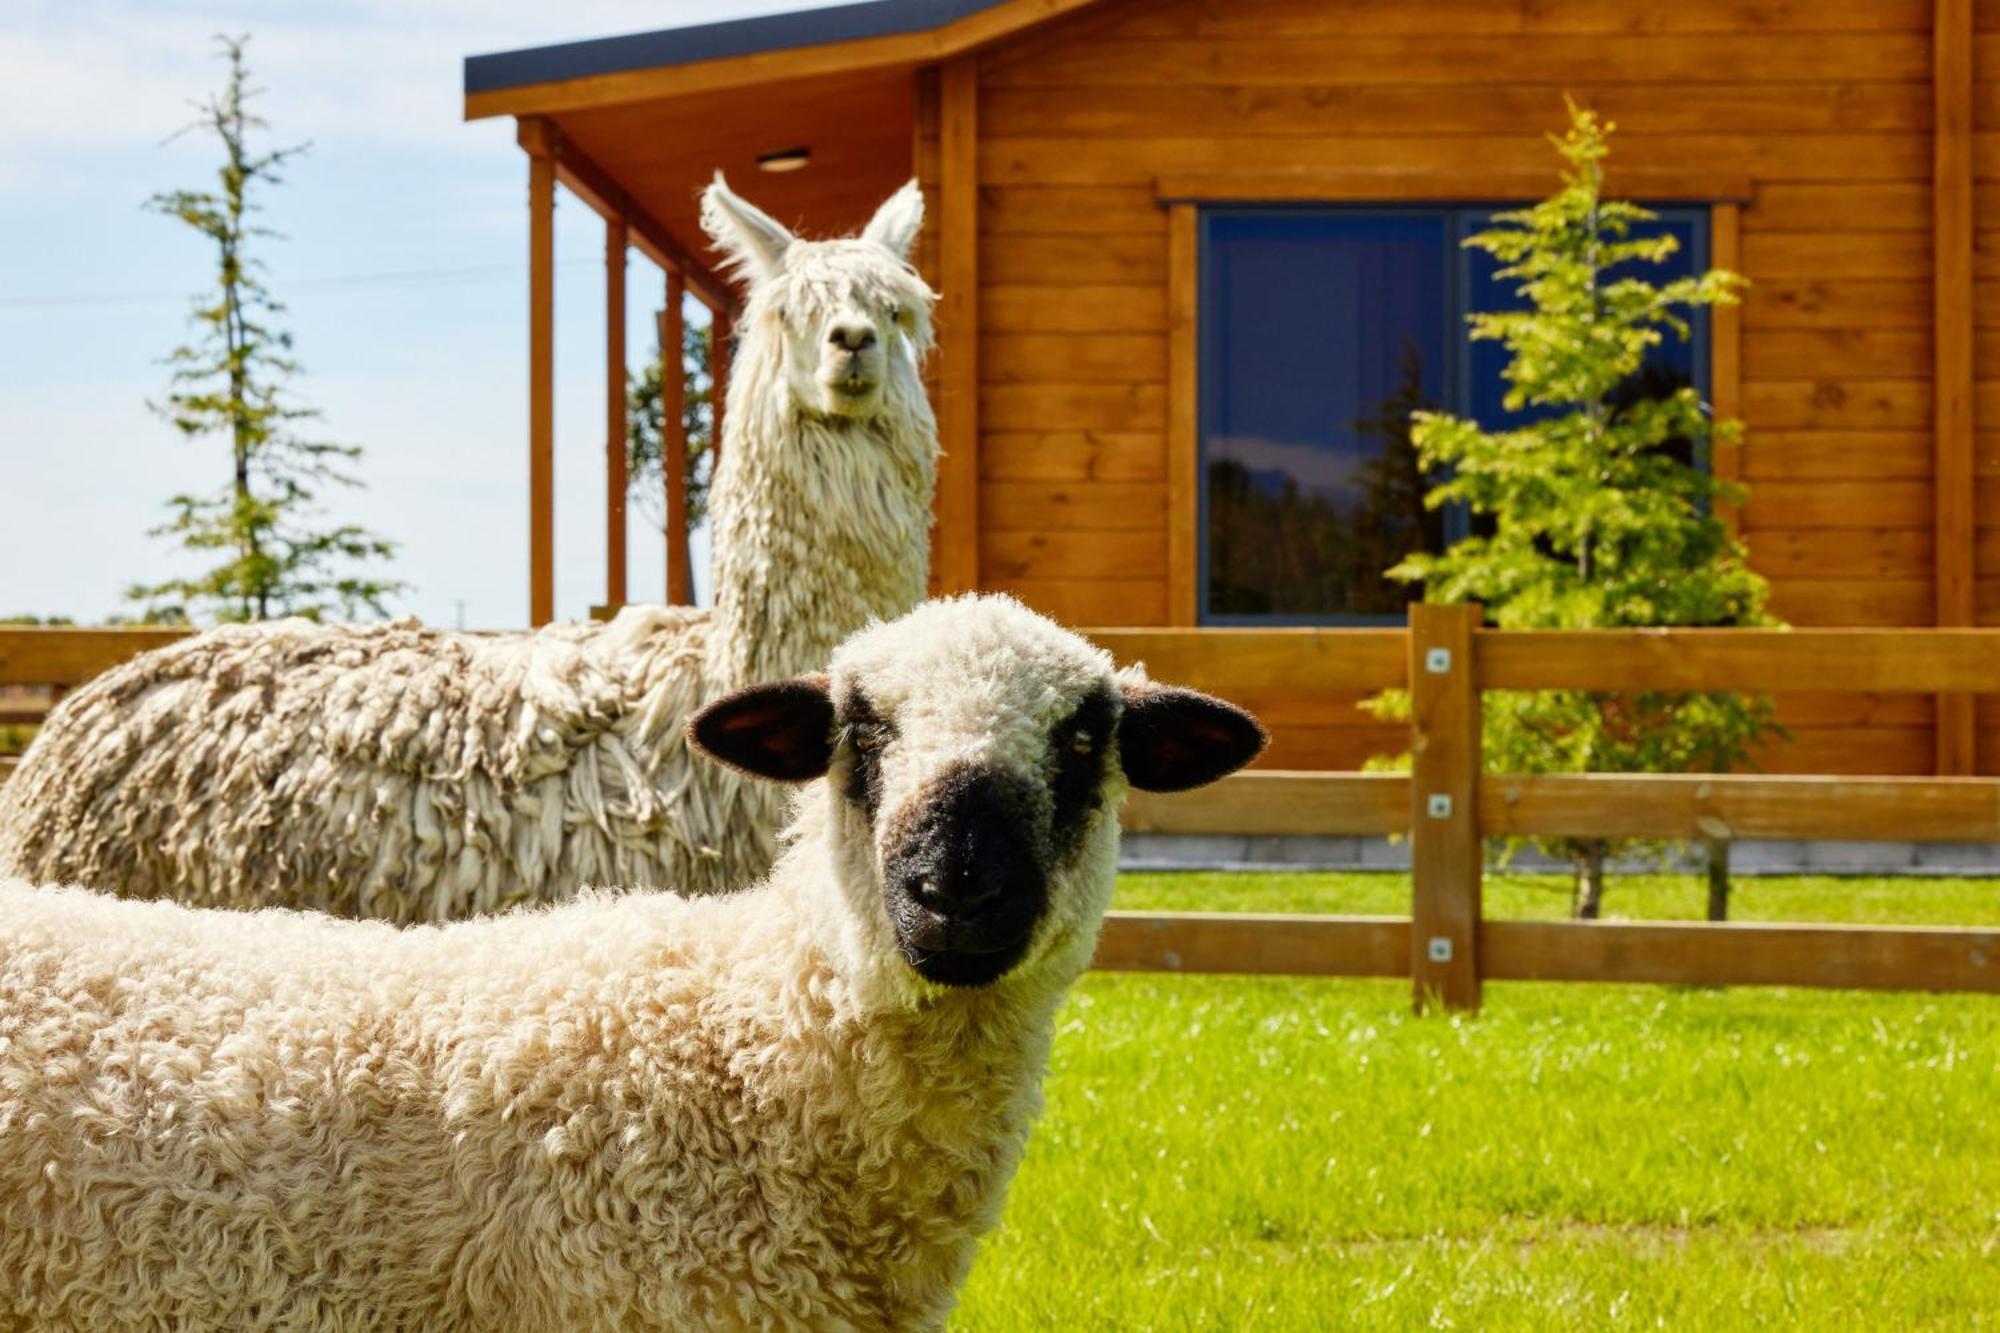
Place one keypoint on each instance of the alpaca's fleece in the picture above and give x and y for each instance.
(419, 775)
(623, 1112)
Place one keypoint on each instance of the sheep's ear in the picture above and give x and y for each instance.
(897, 222)
(782, 731)
(1172, 739)
(754, 240)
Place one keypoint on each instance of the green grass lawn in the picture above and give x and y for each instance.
(1264, 1153)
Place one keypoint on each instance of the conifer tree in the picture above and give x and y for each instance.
(1592, 512)
(231, 381)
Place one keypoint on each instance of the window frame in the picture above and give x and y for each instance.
(1183, 198)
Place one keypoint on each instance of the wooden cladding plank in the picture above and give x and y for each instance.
(1879, 751)
(1866, 353)
(1833, 602)
(1087, 210)
(1475, 107)
(1336, 749)
(1268, 802)
(1112, 358)
(1851, 304)
(58, 655)
(1244, 662)
(1825, 455)
(1073, 406)
(1072, 601)
(1254, 943)
(1446, 858)
(1840, 404)
(1058, 554)
(1441, 55)
(1902, 554)
(1798, 505)
(1844, 207)
(1859, 957)
(1316, 18)
(1693, 807)
(1836, 254)
(1054, 160)
(1886, 660)
(1073, 455)
(1042, 308)
(1136, 260)
(1028, 506)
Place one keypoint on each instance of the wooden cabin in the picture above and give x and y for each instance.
(1196, 255)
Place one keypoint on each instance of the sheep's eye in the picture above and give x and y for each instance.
(1082, 743)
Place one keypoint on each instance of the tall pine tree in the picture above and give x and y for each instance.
(1593, 514)
(230, 381)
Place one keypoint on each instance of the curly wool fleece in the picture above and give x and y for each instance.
(415, 774)
(631, 1112)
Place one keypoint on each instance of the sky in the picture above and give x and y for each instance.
(403, 266)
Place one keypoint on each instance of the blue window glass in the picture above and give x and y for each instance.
(1321, 331)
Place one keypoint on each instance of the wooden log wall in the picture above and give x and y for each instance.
(1827, 106)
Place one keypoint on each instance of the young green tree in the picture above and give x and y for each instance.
(276, 556)
(1593, 513)
(645, 447)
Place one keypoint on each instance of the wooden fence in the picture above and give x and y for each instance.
(1447, 805)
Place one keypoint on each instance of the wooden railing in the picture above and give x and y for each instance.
(1447, 805)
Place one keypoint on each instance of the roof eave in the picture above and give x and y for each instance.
(920, 46)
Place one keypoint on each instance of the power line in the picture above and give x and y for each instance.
(389, 279)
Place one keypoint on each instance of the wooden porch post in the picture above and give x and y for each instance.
(1445, 761)
(673, 442)
(721, 337)
(615, 241)
(539, 141)
(1951, 287)
(957, 559)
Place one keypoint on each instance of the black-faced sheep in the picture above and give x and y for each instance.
(798, 1106)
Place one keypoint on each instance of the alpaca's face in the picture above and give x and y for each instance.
(976, 755)
(848, 316)
(848, 321)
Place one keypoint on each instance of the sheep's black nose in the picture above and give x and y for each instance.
(854, 337)
(970, 846)
(956, 892)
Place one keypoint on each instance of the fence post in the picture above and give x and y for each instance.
(1445, 851)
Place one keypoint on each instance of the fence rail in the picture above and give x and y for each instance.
(1447, 805)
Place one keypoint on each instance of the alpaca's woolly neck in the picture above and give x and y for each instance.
(819, 525)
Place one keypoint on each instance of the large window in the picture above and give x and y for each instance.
(1321, 331)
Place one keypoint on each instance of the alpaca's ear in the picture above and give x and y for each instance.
(782, 731)
(1172, 739)
(754, 240)
(897, 222)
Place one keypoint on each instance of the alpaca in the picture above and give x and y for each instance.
(410, 773)
(798, 1106)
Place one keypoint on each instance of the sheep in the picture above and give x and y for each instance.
(410, 773)
(798, 1106)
